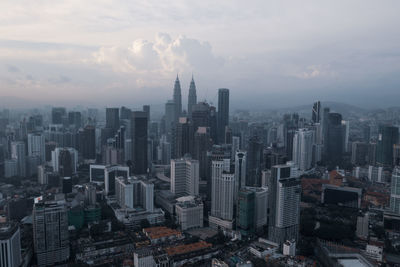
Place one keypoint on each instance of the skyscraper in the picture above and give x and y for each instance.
(387, 137)
(222, 196)
(284, 205)
(10, 245)
(112, 119)
(87, 142)
(169, 118)
(57, 115)
(223, 113)
(139, 142)
(333, 144)
(177, 99)
(245, 211)
(240, 170)
(192, 98)
(202, 144)
(36, 146)
(183, 138)
(302, 148)
(254, 161)
(395, 191)
(316, 112)
(50, 233)
(18, 154)
(185, 177)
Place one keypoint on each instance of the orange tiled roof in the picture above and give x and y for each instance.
(183, 249)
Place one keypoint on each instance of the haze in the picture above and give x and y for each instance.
(268, 53)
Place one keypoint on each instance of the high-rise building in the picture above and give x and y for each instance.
(139, 142)
(134, 193)
(387, 137)
(75, 119)
(284, 204)
(125, 113)
(240, 170)
(396, 154)
(57, 115)
(177, 99)
(202, 144)
(10, 245)
(50, 233)
(169, 118)
(316, 112)
(112, 119)
(18, 154)
(183, 138)
(101, 174)
(333, 143)
(192, 98)
(90, 194)
(200, 115)
(185, 176)
(395, 191)
(64, 161)
(87, 142)
(346, 133)
(146, 109)
(359, 153)
(245, 211)
(222, 196)
(254, 161)
(223, 113)
(36, 146)
(303, 141)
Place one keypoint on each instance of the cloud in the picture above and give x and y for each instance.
(315, 71)
(11, 68)
(163, 56)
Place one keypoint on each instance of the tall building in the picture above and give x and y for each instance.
(222, 196)
(240, 170)
(316, 112)
(36, 146)
(64, 161)
(183, 138)
(185, 177)
(139, 142)
(359, 153)
(177, 99)
(134, 193)
(284, 205)
(254, 161)
(101, 174)
(387, 137)
(18, 154)
(333, 143)
(57, 115)
(75, 119)
(223, 113)
(169, 118)
(10, 245)
(50, 233)
(346, 134)
(146, 109)
(245, 211)
(303, 141)
(200, 115)
(112, 119)
(395, 191)
(87, 142)
(192, 98)
(202, 144)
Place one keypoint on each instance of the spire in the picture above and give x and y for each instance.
(177, 78)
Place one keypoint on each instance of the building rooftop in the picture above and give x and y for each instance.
(160, 232)
(183, 249)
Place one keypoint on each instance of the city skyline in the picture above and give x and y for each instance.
(53, 54)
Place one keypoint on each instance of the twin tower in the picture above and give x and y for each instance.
(192, 99)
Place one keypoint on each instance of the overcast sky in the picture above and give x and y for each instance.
(268, 53)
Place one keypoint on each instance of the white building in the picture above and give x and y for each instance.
(289, 248)
(18, 153)
(105, 175)
(222, 195)
(261, 206)
(134, 193)
(189, 212)
(240, 171)
(303, 141)
(55, 158)
(36, 146)
(185, 177)
(143, 258)
(10, 246)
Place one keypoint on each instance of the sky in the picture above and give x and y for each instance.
(268, 53)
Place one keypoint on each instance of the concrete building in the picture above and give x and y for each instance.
(395, 191)
(50, 233)
(10, 245)
(143, 258)
(185, 176)
(133, 193)
(240, 171)
(105, 175)
(189, 212)
(18, 154)
(64, 160)
(10, 168)
(36, 146)
(303, 141)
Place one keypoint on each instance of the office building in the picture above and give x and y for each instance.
(57, 115)
(223, 113)
(10, 245)
(189, 212)
(222, 196)
(139, 142)
(10, 168)
(316, 112)
(395, 191)
(284, 205)
(387, 137)
(192, 98)
(112, 119)
(177, 99)
(202, 144)
(254, 161)
(50, 233)
(333, 141)
(87, 142)
(240, 171)
(303, 141)
(245, 211)
(134, 193)
(105, 175)
(169, 117)
(36, 146)
(345, 135)
(64, 161)
(185, 176)
(90, 194)
(143, 258)
(359, 153)
(18, 154)
(362, 227)
(183, 138)
(396, 154)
